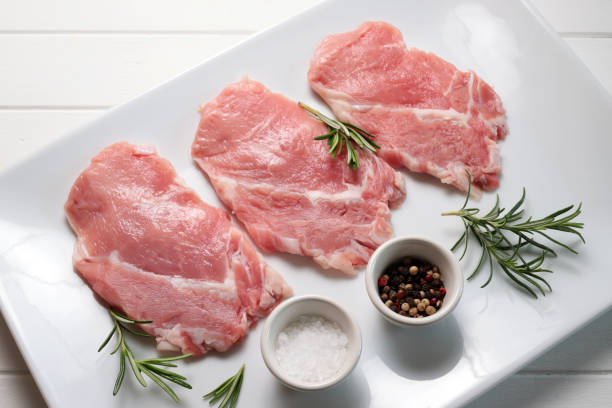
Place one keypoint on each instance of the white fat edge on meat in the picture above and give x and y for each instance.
(217, 340)
(344, 103)
(162, 343)
(352, 193)
(266, 298)
(495, 123)
(170, 339)
(395, 45)
(424, 114)
(227, 186)
(230, 185)
(471, 93)
(450, 85)
(207, 339)
(336, 260)
(226, 288)
(332, 96)
(437, 114)
(145, 149)
(275, 288)
(223, 288)
(492, 124)
(340, 259)
(454, 173)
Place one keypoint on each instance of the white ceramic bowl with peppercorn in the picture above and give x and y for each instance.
(310, 306)
(413, 259)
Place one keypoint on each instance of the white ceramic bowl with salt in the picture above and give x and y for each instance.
(285, 316)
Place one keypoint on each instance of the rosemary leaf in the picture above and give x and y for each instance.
(161, 384)
(121, 374)
(343, 133)
(134, 332)
(125, 319)
(164, 359)
(135, 369)
(509, 239)
(160, 371)
(228, 391)
(148, 366)
(110, 336)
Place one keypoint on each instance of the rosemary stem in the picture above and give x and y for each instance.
(452, 213)
(140, 367)
(343, 134)
(509, 239)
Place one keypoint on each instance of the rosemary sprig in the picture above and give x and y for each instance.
(492, 233)
(151, 367)
(341, 134)
(230, 388)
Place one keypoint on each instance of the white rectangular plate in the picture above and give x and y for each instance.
(558, 148)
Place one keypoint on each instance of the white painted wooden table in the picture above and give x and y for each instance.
(64, 62)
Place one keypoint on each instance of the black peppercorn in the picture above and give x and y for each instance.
(412, 287)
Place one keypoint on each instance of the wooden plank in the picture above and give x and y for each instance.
(96, 70)
(559, 391)
(577, 16)
(232, 15)
(147, 15)
(25, 132)
(10, 357)
(20, 391)
(127, 65)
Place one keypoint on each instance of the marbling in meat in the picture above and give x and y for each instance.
(149, 246)
(259, 152)
(427, 115)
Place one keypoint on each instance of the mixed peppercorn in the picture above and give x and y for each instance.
(412, 287)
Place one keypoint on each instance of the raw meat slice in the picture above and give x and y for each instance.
(149, 246)
(258, 150)
(427, 115)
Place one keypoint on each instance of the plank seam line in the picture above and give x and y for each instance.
(127, 32)
(54, 107)
(221, 32)
(14, 373)
(570, 34)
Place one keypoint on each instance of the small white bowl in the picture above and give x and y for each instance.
(290, 310)
(417, 247)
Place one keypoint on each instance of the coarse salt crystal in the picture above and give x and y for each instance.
(311, 348)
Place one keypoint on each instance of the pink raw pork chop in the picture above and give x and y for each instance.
(149, 246)
(258, 150)
(426, 114)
